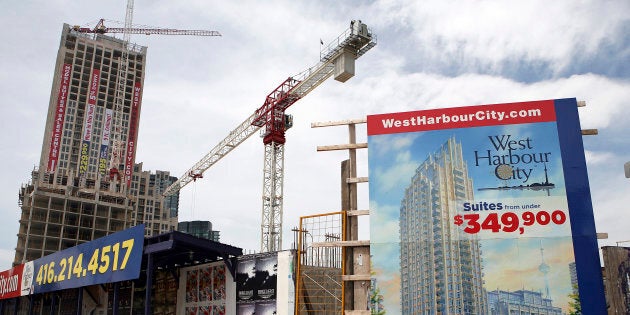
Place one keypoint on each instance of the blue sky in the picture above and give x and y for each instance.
(430, 54)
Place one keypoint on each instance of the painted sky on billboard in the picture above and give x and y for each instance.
(525, 219)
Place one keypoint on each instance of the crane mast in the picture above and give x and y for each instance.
(337, 58)
(119, 98)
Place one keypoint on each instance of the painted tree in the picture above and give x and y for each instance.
(575, 307)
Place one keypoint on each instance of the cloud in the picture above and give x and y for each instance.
(593, 157)
(491, 36)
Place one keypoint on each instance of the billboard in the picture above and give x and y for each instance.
(482, 210)
(265, 284)
(133, 132)
(11, 282)
(88, 122)
(105, 137)
(205, 289)
(111, 258)
(60, 114)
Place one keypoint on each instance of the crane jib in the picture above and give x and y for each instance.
(357, 39)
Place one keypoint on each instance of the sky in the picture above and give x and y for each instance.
(430, 54)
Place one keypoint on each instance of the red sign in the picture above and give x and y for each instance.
(462, 117)
(133, 132)
(11, 282)
(60, 113)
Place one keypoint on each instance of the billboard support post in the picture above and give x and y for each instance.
(147, 292)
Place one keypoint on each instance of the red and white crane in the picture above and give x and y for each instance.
(118, 143)
(337, 58)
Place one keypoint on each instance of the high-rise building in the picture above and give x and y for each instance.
(573, 273)
(76, 194)
(440, 267)
(158, 213)
(202, 229)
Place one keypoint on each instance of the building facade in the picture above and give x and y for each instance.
(158, 213)
(520, 302)
(80, 189)
(202, 229)
(440, 267)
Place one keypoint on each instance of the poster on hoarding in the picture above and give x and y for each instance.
(482, 210)
(206, 289)
(265, 283)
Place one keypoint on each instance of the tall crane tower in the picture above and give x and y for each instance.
(337, 58)
(118, 144)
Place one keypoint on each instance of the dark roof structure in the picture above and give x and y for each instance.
(177, 249)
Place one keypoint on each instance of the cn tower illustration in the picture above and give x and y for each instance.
(544, 269)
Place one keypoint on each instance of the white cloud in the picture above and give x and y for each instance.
(593, 157)
(484, 35)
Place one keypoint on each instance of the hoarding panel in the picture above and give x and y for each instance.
(11, 282)
(473, 205)
(112, 258)
(265, 283)
(206, 289)
(133, 132)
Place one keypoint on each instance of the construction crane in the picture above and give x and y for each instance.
(118, 144)
(100, 28)
(338, 57)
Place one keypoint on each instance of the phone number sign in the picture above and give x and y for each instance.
(113, 258)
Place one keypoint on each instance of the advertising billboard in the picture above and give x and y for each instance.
(60, 114)
(105, 138)
(206, 289)
(133, 132)
(11, 282)
(88, 122)
(112, 258)
(265, 284)
(482, 210)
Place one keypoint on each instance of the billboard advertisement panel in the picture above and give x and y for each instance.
(133, 132)
(482, 210)
(112, 258)
(265, 284)
(105, 137)
(60, 114)
(11, 282)
(205, 289)
(88, 122)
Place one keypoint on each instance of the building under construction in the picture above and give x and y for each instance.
(87, 184)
